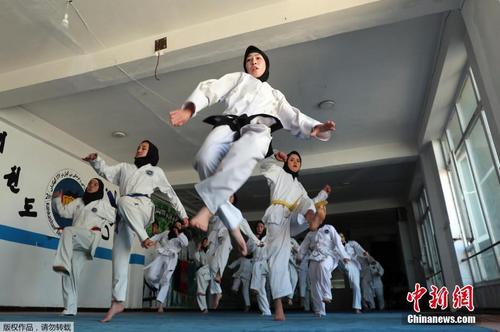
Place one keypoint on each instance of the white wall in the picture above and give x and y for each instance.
(27, 244)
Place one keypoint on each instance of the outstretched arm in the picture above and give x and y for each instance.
(110, 173)
(321, 199)
(181, 116)
(206, 93)
(322, 131)
(301, 125)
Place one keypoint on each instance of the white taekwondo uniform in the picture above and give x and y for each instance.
(292, 266)
(202, 278)
(324, 248)
(79, 242)
(160, 270)
(353, 270)
(135, 211)
(289, 204)
(242, 277)
(285, 192)
(377, 272)
(260, 272)
(219, 248)
(224, 164)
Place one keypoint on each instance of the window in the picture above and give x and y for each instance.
(473, 171)
(427, 239)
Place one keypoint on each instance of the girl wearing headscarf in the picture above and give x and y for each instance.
(285, 217)
(159, 272)
(135, 210)
(79, 241)
(219, 248)
(260, 269)
(324, 249)
(241, 136)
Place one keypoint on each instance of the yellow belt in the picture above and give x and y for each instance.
(289, 206)
(293, 206)
(320, 204)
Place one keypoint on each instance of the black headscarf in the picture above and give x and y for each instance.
(172, 233)
(261, 236)
(288, 170)
(253, 49)
(151, 158)
(202, 247)
(90, 197)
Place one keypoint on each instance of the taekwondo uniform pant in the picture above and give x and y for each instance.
(379, 295)
(245, 289)
(224, 165)
(294, 278)
(320, 273)
(353, 275)
(278, 251)
(304, 284)
(218, 261)
(159, 275)
(367, 292)
(258, 284)
(135, 213)
(202, 280)
(75, 246)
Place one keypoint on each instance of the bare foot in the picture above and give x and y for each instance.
(279, 314)
(238, 241)
(290, 302)
(327, 300)
(160, 308)
(116, 308)
(247, 309)
(201, 219)
(148, 243)
(357, 311)
(204, 311)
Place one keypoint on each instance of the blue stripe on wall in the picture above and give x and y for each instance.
(22, 236)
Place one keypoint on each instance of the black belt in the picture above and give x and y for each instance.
(237, 122)
(137, 195)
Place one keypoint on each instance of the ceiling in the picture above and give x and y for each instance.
(374, 58)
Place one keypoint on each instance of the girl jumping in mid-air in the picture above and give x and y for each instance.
(241, 136)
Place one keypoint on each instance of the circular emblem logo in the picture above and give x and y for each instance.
(70, 185)
(149, 172)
